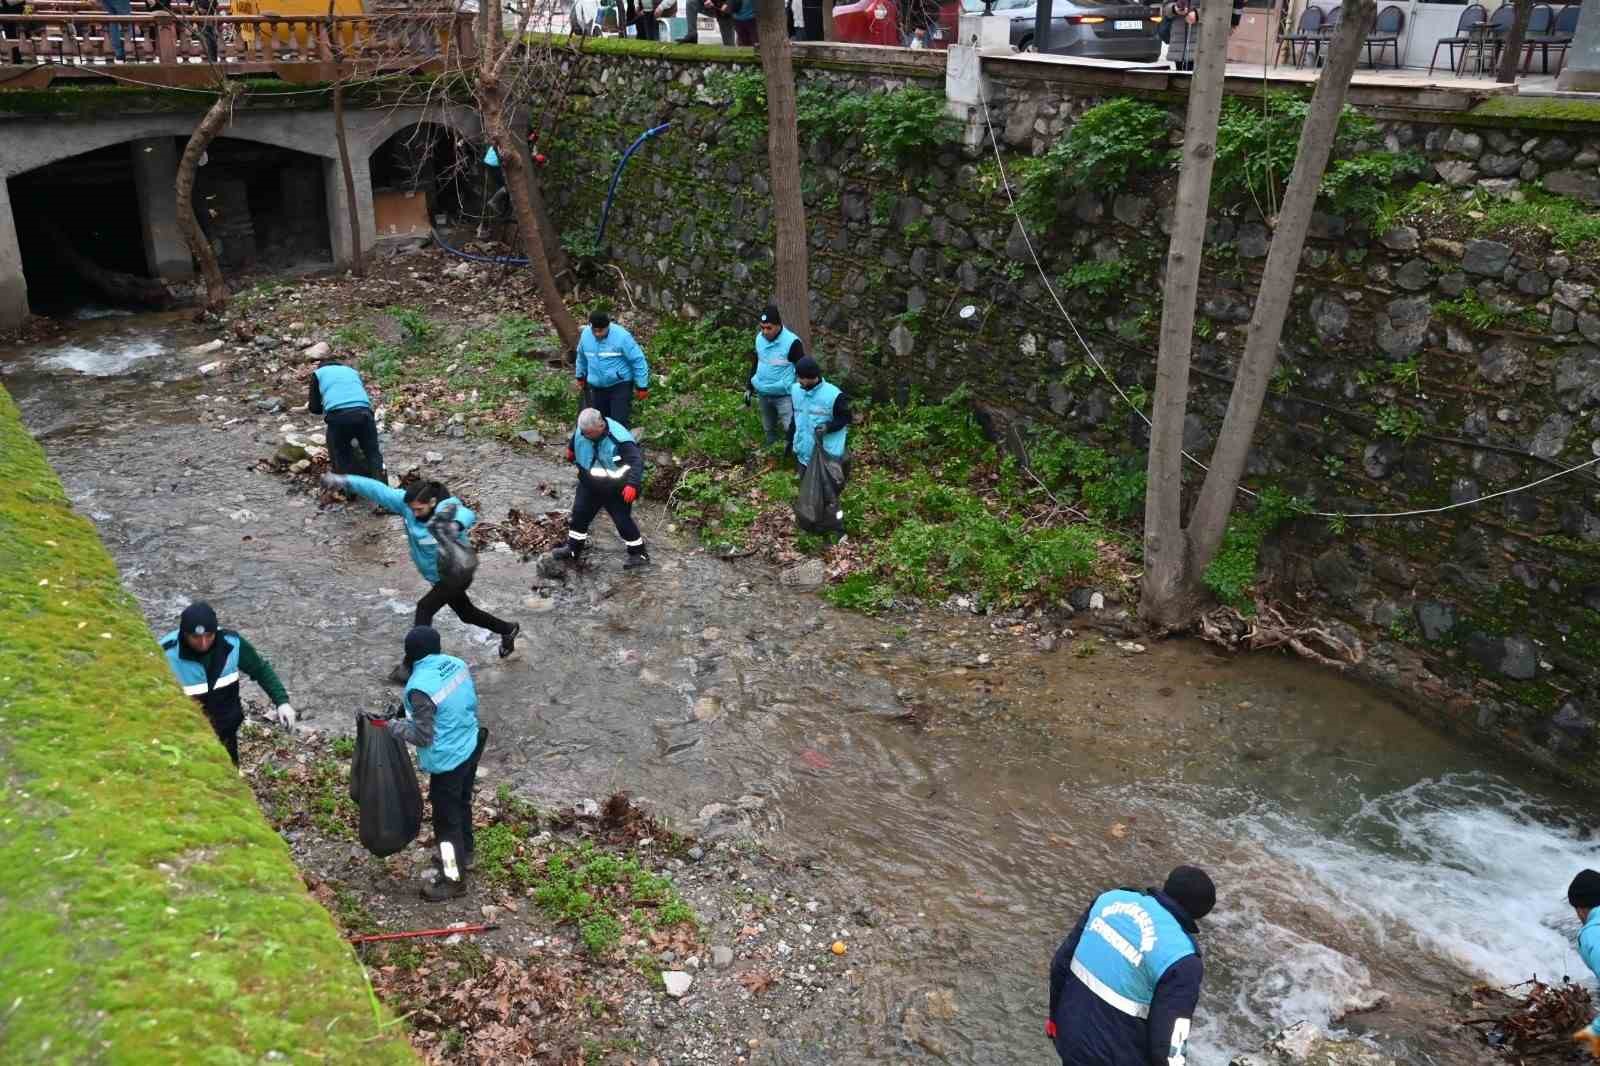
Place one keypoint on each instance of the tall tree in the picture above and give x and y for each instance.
(358, 259)
(1523, 11)
(1173, 591)
(500, 57)
(216, 117)
(783, 163)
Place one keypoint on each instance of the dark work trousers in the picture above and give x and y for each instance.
(614, 401)
(454, 596)
(350, 426)
(451, 796)
(588, 503)
(229, 737)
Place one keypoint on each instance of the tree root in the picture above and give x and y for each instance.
(1225, 626)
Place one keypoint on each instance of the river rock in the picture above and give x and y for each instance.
(205, 349)
(1415, 276)
(1462, 143)
(1578, 184)
(677, 983)
(317, 351)
(1551, 438)
(1513, 657)
(1587, 324)
(1329, 315)
(1500, 166)
(807, 575)
(1403, 328)
(1400, 239)
(289, 454)
(721, 956)
(1501, 363)
(1308, 1045)
(531, 436)
(1488, 258)
(1573, 294)
(1435, 619)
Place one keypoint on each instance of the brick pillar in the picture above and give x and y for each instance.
(338, 207)
(155, 177)
(232, 230)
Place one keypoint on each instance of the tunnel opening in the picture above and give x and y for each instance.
(426, 174)
(86, 206)
(84, 239)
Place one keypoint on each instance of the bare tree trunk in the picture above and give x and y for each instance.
(1167, 598)
(216, 118)
(554, 252)
(1209, 521)
(492, 108)
(783, 164)
(358, 259)
(1519, 27)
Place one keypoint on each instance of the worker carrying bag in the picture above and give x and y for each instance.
(384, 785)
(816, 508)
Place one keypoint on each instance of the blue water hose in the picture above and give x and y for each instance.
(599, 237)
(499, 260)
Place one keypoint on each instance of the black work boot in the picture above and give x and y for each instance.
(470, 864)
(443, 889)
(508, 641)
(637, 557)
(568, 552)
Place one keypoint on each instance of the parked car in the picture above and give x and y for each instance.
(1097, 29)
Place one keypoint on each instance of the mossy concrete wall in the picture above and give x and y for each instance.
(1489, 616)
(148, 914)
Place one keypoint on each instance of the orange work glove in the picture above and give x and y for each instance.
(629, 494)
(1589, 1039)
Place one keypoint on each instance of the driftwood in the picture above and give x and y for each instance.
(1269, 629)
(116, 286)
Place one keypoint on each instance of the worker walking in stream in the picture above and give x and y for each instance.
(612, 368)
(439, 717)
(1584, 895)
(207, 662)
(436, 532)
(610, 473)
(338, 395)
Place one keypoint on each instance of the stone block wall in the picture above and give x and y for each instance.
(1387, 400)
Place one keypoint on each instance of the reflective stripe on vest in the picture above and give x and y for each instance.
(1128, 943)
(341, 388)
(601, 459)
(448, 683)
(191, 673)
(774, 374)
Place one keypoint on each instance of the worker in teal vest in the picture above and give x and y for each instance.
(436, 533)
(610, 474)
(440, 718)
(1124, 984)
(338, 395)
(1584, 895)
(821, 414)
(207, 662)
(774, 356)
(612, 368)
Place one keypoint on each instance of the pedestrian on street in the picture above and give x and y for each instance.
(338, 395)
(1124, 984)
(772, 362)
(436, 532)
(115, 29)
(716, 9)
(821, 413)
(207, 662)
(610, 473)
(440, 719)
(744, 23)
(612, 366)
(1584, 895)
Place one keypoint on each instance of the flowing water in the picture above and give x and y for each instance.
(1358, 853)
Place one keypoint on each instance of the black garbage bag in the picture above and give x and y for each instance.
(384, 785)
(816, 508)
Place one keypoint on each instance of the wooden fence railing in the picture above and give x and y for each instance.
(73, 35)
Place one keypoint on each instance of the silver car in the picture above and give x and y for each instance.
(1088, 28)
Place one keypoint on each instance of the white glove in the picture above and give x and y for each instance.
(286, 715)
(336, 482)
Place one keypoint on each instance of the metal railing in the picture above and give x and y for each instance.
(79, 36)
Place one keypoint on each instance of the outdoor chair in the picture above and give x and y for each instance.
(1473, 18)
(1325, 36)
(1386, 34)
(1295, 45)
(1564, 25)
(1490, 39)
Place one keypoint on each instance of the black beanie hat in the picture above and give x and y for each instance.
(771, 315)
(198, 619)
(1192, 889)
(807, 367)
(1585, 889)
(599, 320)
(421, 642)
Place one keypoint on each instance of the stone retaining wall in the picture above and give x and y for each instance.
(1489, 615)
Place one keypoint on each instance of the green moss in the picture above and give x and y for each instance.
(1538, 112)
(626, 46)
(151, 915)
(93, 100)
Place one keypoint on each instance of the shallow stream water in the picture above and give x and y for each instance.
(1358, 853)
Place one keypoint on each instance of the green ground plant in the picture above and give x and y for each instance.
(1108, 144)
(152, 915)
(1232, 574)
